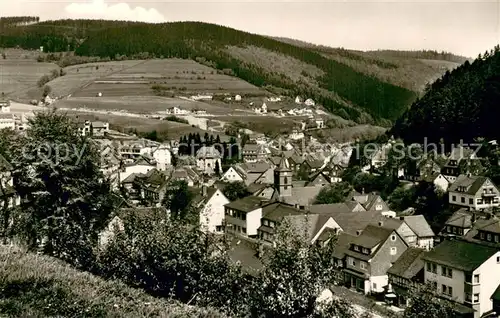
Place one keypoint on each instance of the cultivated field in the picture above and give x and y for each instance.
(20, 72)
(173, 75)
(79, 76)
(268, 125)
(139, 104)
(167, 129)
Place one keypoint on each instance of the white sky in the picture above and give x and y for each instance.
(462, 27)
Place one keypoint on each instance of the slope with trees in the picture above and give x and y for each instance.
(343, 90)
(461, 105)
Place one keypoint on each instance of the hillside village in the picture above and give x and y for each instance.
(273, 221)
(379, 252)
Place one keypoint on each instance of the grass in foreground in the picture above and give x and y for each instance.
(41, 286)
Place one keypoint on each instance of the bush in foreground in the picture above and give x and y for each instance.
(41, 286)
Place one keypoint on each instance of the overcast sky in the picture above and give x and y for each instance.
(462, 27)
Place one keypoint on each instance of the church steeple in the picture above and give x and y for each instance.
(283, 178)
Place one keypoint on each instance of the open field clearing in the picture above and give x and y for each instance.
(347, 134)
(19, 75)
(264, 124)
(41, 286)
(78, 76)
(168, 129)
(139, 104)
(174, 75)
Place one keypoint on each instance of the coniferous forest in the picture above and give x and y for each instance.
(461, 105)
(341, 89)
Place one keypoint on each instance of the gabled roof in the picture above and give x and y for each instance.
(349, 221)
(247, 204)
(419, 225)
(472, 184)
(460, 152)
(460, 254)
(408, 264)
(303, 196)
(372, 236)
(461, 218)
(276, 211)
(308, 224)
(372, 200)
(255, 167)
(342, 244)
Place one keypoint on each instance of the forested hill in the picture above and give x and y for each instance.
(463, 104)
(262, 61)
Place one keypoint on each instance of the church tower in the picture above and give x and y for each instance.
(283, 179)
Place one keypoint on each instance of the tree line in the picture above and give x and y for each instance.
(194, 40)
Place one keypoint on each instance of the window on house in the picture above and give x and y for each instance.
(476, 279)
(498, 259)
(434, 268)
(454, 198)
(468, 297)
(454, 230)
(366, 251)
(462, 199)
(476, 298)
(479, 201)
(244, 229)
(481, 235)
(356, 248)
(496, 238)
(362, 265)
(429, 267)
(488, 237)
(471, 201)
(394, 250)
(448, 229)
(375, 286)
(393, 237)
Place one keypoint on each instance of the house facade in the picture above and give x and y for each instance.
(369, 257)
(213, 210)
(475, 192)
(465, 272)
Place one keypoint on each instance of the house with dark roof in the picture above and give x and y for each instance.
(142, 164)
(486, 231)
(466, 273)
(419, 225)
(407, 274)
(319, 179)
(243, 216)
(255, 152)
(371, 202)
(416, 170)
(275, 213)
(188, 174)
(475, 192)
(454, 165)
(438, 179)
(458, 224)
(369, 257)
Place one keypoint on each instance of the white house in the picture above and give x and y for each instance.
(202, 97)
(207, 159)
(237, 98)
(296, 135)
(7, 121)
(163, 157)
(5, 105)
(298, 100)
(177, 111)
(142, 165)
(212, 213)
(243, 216)
(465, 272)
(261, 110)
(274, 99)
(232, 175)
(309, 102)
(475, 192)
(439, 181)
